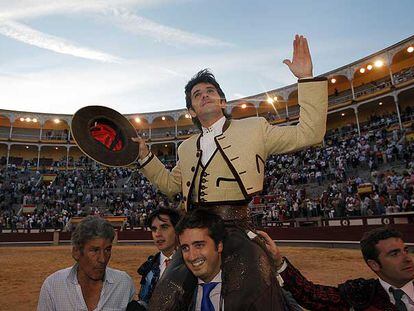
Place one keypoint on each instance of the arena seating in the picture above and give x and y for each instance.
(319, 181)
(364, 167)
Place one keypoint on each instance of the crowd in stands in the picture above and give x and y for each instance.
(321, 181)
(77, 192)
(189, 131)
(337, 168)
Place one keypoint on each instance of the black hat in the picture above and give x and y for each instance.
(104, 135)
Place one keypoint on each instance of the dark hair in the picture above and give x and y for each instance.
(203, 76)
(371, 238)
(173, 214)
(92, 227)
(203, 218)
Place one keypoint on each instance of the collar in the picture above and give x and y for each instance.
(163, 257)
(73, 275)
(408, 288)
(226, 125)
(216, 128)
(217, 279)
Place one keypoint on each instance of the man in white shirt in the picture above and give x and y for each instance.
(201, 234)
(89, 284)
(161, 222)
(384, 252)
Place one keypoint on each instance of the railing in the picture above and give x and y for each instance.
(23, 136)
(386, 219)
(372, 89)
(404, 76)
(4, 132)
(55, 135)
(340, 99)
(345, 231)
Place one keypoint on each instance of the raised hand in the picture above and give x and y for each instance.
(301, 64)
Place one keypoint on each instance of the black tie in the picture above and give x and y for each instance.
(399, 304)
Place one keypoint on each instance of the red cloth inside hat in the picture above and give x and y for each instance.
(107, 136)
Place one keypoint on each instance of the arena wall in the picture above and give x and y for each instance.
(313, 235)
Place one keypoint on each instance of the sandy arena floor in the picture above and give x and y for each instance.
(23, 269)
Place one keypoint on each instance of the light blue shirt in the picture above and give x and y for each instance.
(61, 291)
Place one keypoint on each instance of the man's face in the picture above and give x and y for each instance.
(93, 258)
(200, 253)
(206, 102)
(395, 265)
(163, 234)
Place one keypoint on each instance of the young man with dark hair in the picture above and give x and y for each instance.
(161, 222)
(371, 238)
(89, 284)
(222, 168)
(201, 234)
(384, 252)
(203, 77)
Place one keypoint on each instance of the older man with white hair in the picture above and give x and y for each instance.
(89, 284)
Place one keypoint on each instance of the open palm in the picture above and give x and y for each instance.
(301, 64)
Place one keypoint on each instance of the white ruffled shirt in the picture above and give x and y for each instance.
(207, 143)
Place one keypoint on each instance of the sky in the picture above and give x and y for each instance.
(136, 56)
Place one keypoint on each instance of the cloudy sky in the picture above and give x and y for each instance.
(136, 55)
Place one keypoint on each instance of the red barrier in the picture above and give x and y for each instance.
(26, 237)
(334, 233)
(134, 235)
(338, 233)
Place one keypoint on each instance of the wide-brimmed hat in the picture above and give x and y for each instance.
(104, 135)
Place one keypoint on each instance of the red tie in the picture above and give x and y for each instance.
(167, 262)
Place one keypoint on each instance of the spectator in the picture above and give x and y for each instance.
(101, 287)
(386, 255)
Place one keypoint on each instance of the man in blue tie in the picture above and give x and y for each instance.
(201, 234)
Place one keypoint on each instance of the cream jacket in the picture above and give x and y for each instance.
(236, 170)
